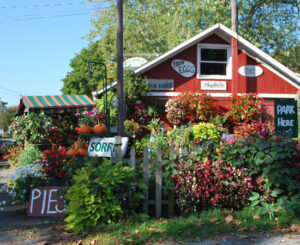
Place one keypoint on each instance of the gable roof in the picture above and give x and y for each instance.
(226, 34)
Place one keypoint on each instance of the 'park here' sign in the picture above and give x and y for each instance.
(286, 118)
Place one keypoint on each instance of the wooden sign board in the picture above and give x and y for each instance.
(46, 201)
(286, 118)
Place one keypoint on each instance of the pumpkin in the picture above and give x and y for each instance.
(100, 129)
(84, 129)
(72, 152)
(82, 151)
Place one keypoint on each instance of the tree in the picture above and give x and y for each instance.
(155, 26)
(9, 115)
(79, 81)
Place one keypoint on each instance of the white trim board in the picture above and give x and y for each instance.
(224, 95)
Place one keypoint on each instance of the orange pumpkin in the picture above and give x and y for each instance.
(82, 151)
(100, 129)
(85, 129)
(72, 152)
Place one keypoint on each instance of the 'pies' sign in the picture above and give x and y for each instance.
(46, 201)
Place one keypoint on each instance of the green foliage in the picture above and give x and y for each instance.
(134, 87)
(33, 128)
(8, 116)
(97, 194)
(132, 128)
(78, 80)
(111, 105)
(139, 144)
(157, 26)
(155, 108)
(180, 137)
(204, 131)
(271, 162)
(29, 155)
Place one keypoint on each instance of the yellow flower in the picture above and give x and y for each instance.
(266, 180)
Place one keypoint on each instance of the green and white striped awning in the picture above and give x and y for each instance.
(55, 104)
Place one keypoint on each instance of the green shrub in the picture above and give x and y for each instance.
(204, 131)
(271, 162)
(98, 194)
(29, 155)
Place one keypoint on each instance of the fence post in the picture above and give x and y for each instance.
(171, 199)
(132, 158)
(146, 180)
(158, 183)
(118, 149)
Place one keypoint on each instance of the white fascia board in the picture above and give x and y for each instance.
(174, 94)
(192, 41)
(278, 96)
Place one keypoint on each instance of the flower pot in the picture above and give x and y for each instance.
(100, 129)
(84, 129)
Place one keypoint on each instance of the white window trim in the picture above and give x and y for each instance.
(228, 75)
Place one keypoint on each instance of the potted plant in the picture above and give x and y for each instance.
(101, 117)
(86, 121)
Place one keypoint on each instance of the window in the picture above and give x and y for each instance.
(214, 61)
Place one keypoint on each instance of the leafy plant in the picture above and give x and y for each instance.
(97, 194)
(245, 107)
(86, 118)
(13, 155)
(175, 112)
(243, 130)
(155, 108)
(135, 86)
(33, 128)
(204, 131)
(29, 155)
(53, 163)
(132, 128)
(20, 182)
(111, 105)
(202, 185)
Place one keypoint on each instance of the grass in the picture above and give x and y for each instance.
(196, 227)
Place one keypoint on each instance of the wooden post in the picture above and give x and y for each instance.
(234, 16)
(158, 183)
(146, 180)
(118, 149)
(132, 158)
(120, 95)
(171, 200)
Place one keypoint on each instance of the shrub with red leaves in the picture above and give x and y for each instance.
(203, 185)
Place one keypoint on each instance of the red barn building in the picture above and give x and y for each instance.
(220, 63)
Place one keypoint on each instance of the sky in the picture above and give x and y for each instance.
(38, 39)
